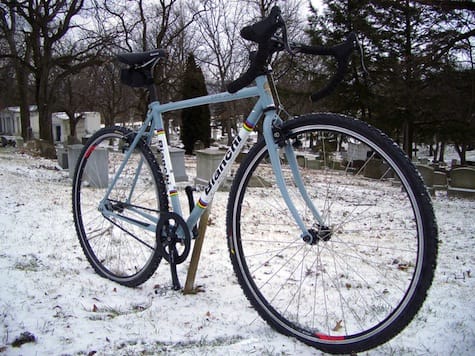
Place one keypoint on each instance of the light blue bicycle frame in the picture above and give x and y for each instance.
(265, 105)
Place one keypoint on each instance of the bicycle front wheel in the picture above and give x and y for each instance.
(365, 273)
(117, 230)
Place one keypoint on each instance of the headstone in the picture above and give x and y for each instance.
(427, 174)
(302, 161)
(177, 157)
(463, 177)
(315, 164)
(372, 169)
(207, 160)
(440, 180)
(73, 154)
(62, 154)
(462, 182)
(97, 169)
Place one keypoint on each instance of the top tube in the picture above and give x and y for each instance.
(209, 99)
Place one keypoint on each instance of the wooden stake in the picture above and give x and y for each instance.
(195, 256)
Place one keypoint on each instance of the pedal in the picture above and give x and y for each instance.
(191, 204)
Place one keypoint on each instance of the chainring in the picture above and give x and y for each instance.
(173, 238)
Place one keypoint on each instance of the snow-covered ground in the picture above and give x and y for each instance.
(48, 289)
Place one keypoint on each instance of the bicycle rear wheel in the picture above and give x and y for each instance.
(362, 281)
(117, 235)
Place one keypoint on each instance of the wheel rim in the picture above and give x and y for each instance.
(342, 323)
(119, 250)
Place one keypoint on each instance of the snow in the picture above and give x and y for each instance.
(49, 289)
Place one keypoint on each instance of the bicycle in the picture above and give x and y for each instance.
(332, 246)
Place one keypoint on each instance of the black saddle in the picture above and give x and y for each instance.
(140, 59)
(139, 74)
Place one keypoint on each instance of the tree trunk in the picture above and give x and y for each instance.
(408, 136)
(44, 118)
(441, 151)
(408, 124)
(42, 100)
(461, 150)
(435, 151)
(22, 83)
(26, 132)
(73, 121)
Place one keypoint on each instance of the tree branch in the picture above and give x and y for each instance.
(448, 5)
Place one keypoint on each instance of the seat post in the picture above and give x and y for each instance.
(152, 92)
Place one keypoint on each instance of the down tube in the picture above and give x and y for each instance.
(224, 167)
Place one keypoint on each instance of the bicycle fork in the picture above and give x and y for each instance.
(275, 139)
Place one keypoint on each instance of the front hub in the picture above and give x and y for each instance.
(323, 233)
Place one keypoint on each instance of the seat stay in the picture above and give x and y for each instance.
(129, 152)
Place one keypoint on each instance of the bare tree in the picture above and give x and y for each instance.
(226, 54)
(59, 48)
(262, 6)
(223, 52)
(18, 53)
(142, 25)
(219, 30)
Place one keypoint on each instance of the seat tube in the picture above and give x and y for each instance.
(166, 163)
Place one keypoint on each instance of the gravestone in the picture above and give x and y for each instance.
(440, 180)
(97, 173)
(62, 154)
(97, 169)
(427, 174)
(73, 154)
(207, 160)
(302, 161)
(315, 164)
(462, 183)
(372, 169)
(177, 157)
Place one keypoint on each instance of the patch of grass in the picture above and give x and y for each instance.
(28, 263)
(104, 312)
